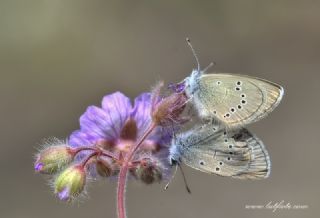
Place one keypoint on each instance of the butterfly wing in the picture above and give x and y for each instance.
(235, 100)
(238, 154)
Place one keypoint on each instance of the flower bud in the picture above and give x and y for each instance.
(105, 167)
(149, 171)
(70, 183)
(51, 159)
(169, 109)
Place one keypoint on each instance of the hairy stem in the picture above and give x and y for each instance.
(120, 192)
(122, 180)
(96, 149)
(88, 158)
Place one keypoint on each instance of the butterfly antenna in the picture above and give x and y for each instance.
(193, 52)
(173, 175)
(209, 66)
(184, 179)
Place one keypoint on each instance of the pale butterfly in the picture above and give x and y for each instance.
(211, 149)
(234, 100)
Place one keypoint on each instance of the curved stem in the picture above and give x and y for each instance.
(122, 180)
(136, 147)
(96, 149)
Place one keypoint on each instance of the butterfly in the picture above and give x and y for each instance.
(221, 145)
(233, 100)
(213, 149)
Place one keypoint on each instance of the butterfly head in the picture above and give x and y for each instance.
(188, 85)
(174, 154)
(192, 82)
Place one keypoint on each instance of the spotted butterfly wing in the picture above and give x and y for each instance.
(237, 153)
(235, 100)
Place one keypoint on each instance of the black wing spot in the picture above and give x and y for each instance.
(242, 136)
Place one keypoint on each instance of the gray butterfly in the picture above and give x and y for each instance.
(234, 100)
(211, 149)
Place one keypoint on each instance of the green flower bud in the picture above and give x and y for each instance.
(149, 171)
(70, 183)
(53, 158)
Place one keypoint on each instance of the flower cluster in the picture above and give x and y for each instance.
(106, 135)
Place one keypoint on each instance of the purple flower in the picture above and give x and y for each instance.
(117, 126)
(118, 135)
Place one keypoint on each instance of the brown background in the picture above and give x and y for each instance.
(58, 57)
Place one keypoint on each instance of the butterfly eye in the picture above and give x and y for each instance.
(238, 88)
(173, 162)
(218, 82)
(201, 162)
(239, 83)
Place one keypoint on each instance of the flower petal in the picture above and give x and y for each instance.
(162, 136)
(141, 111)
(95, 122)
(79, 138)
(117, 108)
(129, 130)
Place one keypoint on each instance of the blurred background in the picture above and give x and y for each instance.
(58, 57)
